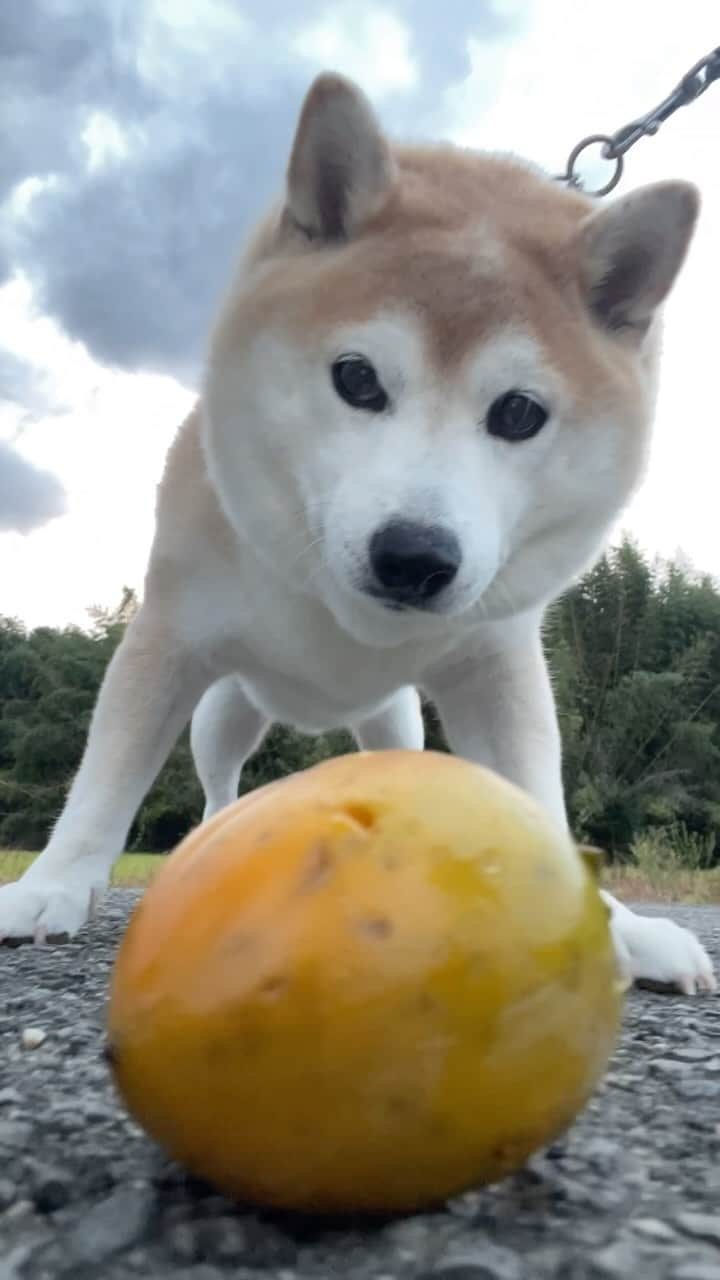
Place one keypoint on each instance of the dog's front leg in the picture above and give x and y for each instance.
(146, 698)
(498, 710)
(399, 724)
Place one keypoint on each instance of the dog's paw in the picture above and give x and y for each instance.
(41, 909)
(656, 950)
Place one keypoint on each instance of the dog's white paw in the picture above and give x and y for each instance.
(36, 908)
(654, 949)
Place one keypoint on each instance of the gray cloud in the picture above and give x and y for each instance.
(130, 256)
(29, 497)
(57, 61)
(23, 383)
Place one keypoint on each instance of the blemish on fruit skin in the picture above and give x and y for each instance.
(509, 1153)
(316, 867)
(246, 1042)
(400, 1106)
(427, 1003)
(375, 926)
(361, 814)
(240, 942)
(274, 986)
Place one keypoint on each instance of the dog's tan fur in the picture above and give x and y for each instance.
(470, 242)
(447, 208)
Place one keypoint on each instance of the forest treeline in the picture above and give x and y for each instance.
(634, 650)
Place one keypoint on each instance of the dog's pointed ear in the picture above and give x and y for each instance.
(632, 251)
(341, 168)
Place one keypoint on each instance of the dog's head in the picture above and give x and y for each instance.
(430, 387)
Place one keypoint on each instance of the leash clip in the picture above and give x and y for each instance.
(615, 146)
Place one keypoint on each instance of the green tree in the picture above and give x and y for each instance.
(634, 648)
(634, 652)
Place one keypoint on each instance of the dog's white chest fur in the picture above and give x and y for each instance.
(296, 663)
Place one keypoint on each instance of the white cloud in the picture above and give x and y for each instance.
(107, 450)
(105, 140)
(36, 338)
(21, 197)
(370, 45)
(180, 40)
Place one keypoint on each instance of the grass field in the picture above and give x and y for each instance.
(132, 870)
(680, 886)
(658, 882)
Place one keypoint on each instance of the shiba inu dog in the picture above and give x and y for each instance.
(428, 395)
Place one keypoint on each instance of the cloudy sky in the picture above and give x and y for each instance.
(140, 139)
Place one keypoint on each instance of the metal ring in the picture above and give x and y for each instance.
(593, 140)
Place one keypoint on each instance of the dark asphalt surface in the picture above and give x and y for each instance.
(631, 1191)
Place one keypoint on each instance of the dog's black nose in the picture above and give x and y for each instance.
(413, 563)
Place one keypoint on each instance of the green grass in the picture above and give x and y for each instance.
(694, 888)
(132, 870)
(670, 864)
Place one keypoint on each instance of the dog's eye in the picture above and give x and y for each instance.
(516, 416)
(357, 383)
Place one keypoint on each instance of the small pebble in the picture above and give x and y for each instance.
(51, 1186)
(653, 1229)
(670, 1067)
(486, 1262)
(696, 1271)
(8, 1193)
(33, 1037)
(114, 1223)
(704, 1226)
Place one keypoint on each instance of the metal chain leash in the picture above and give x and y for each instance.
(616, 145)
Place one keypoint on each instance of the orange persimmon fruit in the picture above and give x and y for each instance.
(366, 987)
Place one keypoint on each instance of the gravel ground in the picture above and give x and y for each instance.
(632, 1190)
